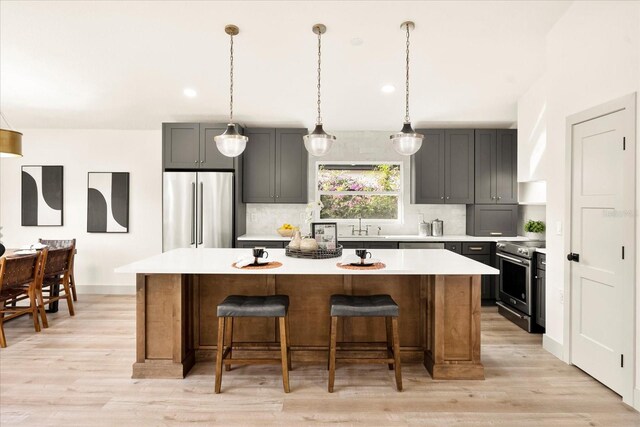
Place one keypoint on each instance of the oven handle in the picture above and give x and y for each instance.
(515, 313)
(519, 261)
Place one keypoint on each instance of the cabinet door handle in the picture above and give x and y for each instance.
(495, 233)
(448, 197)
(499, 197)
(475, 248)
(543, 263)
(195, 162)
(201, 161)
(441, 197)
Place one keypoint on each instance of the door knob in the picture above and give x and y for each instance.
(573, 257)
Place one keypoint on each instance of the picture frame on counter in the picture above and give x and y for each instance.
(325, 234)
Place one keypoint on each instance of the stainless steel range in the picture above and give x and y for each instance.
(517, 302)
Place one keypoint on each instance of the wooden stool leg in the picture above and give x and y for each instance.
(288, 342)
(229, 340)
(284, 353)
(219, 353)
(387, 322)
(332, 352)
(396, 353)
(329, 346)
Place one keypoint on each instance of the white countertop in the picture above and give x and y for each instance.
(398, 262)
(396, 238)
(542, 250)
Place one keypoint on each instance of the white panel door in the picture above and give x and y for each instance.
(598, 228)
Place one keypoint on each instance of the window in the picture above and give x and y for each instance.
(351, 191)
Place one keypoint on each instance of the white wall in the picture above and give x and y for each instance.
(592, 57)
(360, 146)
(532, 132)
(82, 151)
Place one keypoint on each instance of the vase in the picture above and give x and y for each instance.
(295, 242)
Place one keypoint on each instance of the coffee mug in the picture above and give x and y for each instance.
(362, 254)
(260, 253)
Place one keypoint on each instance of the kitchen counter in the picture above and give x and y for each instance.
(274, 237)
(438, 293)
(397, 261)
(541, 250)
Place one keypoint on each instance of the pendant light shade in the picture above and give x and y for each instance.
(407, 141)
(318, 143)
(231, 143)
(10, 143)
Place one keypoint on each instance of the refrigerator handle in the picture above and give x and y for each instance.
(200, 240)
(193, 208)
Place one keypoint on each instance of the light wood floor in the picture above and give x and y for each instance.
(77, 373)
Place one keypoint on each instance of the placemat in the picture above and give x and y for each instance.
(267, 266)
(375, 266)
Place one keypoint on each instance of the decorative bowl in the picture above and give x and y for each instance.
(286, 232)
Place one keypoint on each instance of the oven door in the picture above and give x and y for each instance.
(515, 282)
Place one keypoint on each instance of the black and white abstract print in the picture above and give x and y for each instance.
(42, 195)
(108, 202)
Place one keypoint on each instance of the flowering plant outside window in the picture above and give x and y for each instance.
(351, 191)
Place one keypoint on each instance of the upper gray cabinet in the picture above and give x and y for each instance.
(275, 166)
(191, 146)
(442, 171)
(496, 161)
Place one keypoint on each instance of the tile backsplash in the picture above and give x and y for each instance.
(358, 146)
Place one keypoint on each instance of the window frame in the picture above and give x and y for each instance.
(399, 193)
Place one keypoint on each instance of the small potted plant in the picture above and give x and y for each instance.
(534, 229)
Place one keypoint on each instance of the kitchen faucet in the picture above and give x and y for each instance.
(360, 229)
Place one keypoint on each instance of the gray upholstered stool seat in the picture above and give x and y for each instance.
(363, 306)
(254, 306)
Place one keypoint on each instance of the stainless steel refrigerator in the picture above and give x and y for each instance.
(197, 210)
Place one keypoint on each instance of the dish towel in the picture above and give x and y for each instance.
(355, 259)
(248, 259)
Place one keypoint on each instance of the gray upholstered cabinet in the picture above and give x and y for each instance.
(442, 171)
(191, 146)
(496, 162)
(275, 166)
(492, 220)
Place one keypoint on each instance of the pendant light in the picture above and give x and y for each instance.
(10, 141)
(231, 143)
(318, 143)
(407, 141)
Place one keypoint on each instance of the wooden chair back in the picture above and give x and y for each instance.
(19, 270)
(58, 261)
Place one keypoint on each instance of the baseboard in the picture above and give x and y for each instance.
(106, 289)
(552, 346)
(636, 399)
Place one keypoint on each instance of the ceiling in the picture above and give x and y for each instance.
(124, 65)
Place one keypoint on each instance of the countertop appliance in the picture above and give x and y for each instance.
(197, 210)
(516, 284)
(437, 227)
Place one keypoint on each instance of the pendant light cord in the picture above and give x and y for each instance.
(319, 119)
(406, 101)
(231, 80)
(6, 121)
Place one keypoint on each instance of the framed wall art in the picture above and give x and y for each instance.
(42, 196)
(108, 202)
(326, 234)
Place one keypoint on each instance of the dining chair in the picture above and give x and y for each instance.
(55, 272)
(19, 275)
(63, 244)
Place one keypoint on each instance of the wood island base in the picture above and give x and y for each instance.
(176, 322)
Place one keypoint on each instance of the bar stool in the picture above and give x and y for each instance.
(252, 306)
(366, 306)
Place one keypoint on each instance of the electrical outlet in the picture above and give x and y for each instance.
(254, 217)
(561, 296)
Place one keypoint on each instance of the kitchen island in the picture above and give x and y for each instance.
(438, 293)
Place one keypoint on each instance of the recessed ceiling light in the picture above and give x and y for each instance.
(190, 93)
(388, 89)
(356, 41)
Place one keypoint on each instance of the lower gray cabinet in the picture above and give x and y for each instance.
(492, 220)
(260, 243)
(368, 245)
(453, 247)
